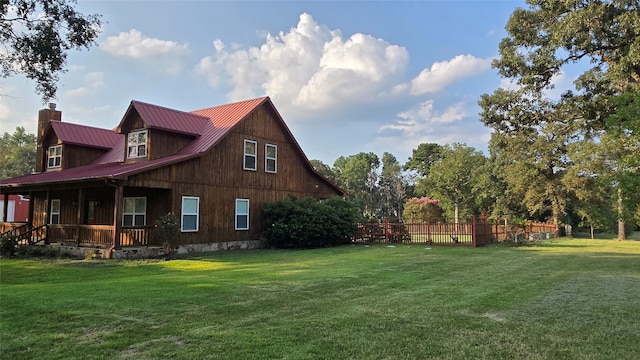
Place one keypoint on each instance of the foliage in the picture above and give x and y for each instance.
(392, 186)
(17, 153)
(323, 169)
(425, 155)
(421, 209)
(8, 245)
(37, 35)
(169, 231)
(357, 174)
(455, 179)
(307, 223)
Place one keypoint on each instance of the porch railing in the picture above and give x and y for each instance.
(101, 235)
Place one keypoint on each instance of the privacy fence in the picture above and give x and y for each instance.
(474, 232)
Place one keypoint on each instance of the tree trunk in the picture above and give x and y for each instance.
(456, 210)
(621, 232)
(591, 232)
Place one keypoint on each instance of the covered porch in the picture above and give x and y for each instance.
(107, 214)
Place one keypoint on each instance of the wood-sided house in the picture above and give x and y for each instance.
(213, 168)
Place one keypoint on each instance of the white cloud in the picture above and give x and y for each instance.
(423, 123)
(309, 67)
(443, 73)
(92, 82)
(164, 54)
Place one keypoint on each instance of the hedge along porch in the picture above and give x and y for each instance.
(213, 168)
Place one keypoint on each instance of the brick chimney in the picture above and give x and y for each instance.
(44, 117)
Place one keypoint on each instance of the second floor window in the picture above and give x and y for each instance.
(137, 144)
(54, 156)
(271, 158)
(250, 155)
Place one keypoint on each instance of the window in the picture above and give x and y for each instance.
(271, 158)
(190, 213)
(54, 156)
(242, 214)
(54, 214)
(250, 155)
(135, 211)
(137, 144)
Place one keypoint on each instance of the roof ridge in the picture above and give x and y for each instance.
(167, 108)
(262, 98)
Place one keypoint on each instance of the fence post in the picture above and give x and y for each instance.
(429, 231)
(473, 232)
(386, 230)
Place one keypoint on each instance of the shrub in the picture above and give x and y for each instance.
(421, 209)
(308, 223)
(8, 245)
(169, 232)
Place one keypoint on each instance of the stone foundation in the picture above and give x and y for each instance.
(150, 252)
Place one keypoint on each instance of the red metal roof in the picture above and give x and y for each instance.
(158, 117)
(209, 125)
(75, 134)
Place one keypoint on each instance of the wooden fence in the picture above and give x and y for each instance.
(474, 232)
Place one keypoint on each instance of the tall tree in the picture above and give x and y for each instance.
(454, 179)
(357, 174)
(17, 153)
(36, 36)
(392, 186)
(423, 157)
(323, 169)
(549, 36)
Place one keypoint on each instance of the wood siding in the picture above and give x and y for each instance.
(218, 179)
(73, 156)
(162, 143)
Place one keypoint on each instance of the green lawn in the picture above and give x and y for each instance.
(564, 298)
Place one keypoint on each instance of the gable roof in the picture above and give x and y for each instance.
(162, 118)
(75, 134)
(209, 125)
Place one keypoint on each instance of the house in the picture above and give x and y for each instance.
(213, 168)
(17, 208)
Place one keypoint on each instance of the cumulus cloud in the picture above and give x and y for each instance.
(92, 82)
(310, 67)
(443, 73)
(136, 46)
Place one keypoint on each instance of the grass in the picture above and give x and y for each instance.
(563, 298)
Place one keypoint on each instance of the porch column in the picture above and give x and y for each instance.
(117, 216)
(45, 221)
(5, 207)
(31, 207)
(80, 214)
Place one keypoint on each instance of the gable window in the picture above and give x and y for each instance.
(250, 155)
(54, 156)
(242, 214)
(271, 158)
(190, 213)
(137, 144)
(54, 214)
(135, 211)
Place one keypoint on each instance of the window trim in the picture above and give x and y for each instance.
(237, 214)
(134, 213)
(197, 214)
(54, 157)
(267, 158)
(51, 212)
(255, 156)
(136, 145)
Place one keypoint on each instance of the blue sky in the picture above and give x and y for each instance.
(347, 76)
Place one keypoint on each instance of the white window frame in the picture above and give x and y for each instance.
(185, 213)
(273, 158)
(54, 160)
(238, 214)
(134, 213)
(54, 213)
(248, 155)
(133, 147)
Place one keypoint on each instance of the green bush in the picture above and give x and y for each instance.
(308, 223)
(8, 245)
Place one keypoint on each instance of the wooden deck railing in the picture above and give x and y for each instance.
(101, 235)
